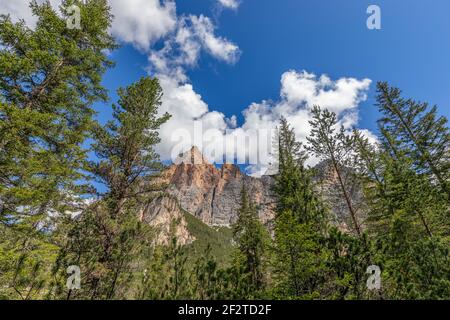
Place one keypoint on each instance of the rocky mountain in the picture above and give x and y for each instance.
(212, 195)
(209, 193)
(166, 215)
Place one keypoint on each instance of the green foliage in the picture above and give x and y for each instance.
(217, 240)
(331, 146)
(408, 204)
(251, 240)
(347, 263)
(104, 248)
(417, 130)
(125, 146)
(166, 276)
(298, 266)
(109, 237)
(24, 265)
(49, 78)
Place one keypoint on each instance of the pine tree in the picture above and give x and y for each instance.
(125, 146)
(300, 224)
(350, 256)
(419, 131)
(207, 279)
(251, 238)
(406, 218)
(107, 238)
(168, 276)
(347, 261)
(333, 147)
(49, 78)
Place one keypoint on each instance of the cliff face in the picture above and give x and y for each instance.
(212, 194)
(164, 213)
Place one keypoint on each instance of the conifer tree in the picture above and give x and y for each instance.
(350, 256)
(206, 284)
(107, 238)
(331, 146)
(125, 146)
(406, 218)
(419, 131)
(49, 78)
(251, 238)
(299, 259)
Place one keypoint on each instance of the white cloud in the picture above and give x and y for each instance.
(182, 48)
(186, 107)
(218, 47)
(142, 22)
(300, 91)
(17, 9)
(304, 87)
(230, 4)
(370, 136)
(20, 9)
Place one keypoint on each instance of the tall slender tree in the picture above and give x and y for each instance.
(50, 76)
(299, 259)
(251, 239)
(350, 256)
(408, 217)
(334, 147)
(106, 239)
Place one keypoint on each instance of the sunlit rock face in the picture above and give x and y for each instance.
(213, 194)
(165, 214)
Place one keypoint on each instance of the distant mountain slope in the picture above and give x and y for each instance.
(218, 238)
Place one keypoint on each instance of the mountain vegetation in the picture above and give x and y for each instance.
(395, 191)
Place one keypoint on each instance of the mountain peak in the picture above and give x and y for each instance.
(192, 156)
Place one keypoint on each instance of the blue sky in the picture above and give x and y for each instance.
(258, 60)
(411, 51)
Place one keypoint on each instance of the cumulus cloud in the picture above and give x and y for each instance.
(182, 49)
(218, 47)
(193, 122)
(229, 4)
(188, 111)
(299, 92)
(370, 136)
(17, 10)
(142, 22)
(336, 96)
